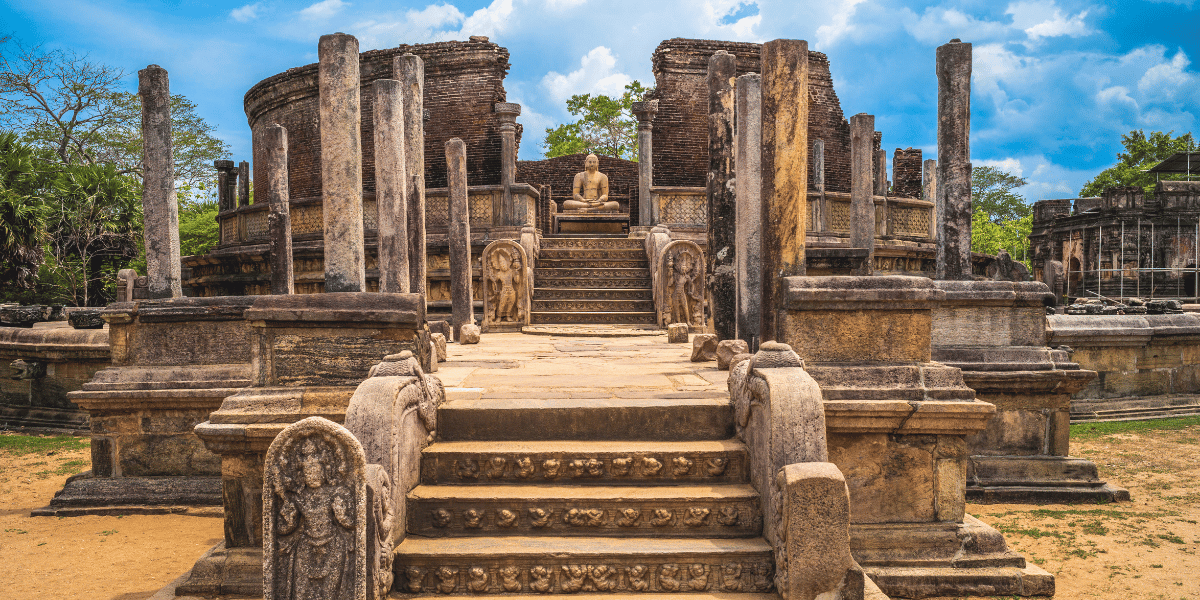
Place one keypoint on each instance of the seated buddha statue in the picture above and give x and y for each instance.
(589, 192)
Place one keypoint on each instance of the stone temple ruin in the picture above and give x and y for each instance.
(878, 379)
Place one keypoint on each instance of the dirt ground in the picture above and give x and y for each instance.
(1146, 549)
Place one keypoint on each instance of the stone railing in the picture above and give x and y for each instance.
(895, 217)
(248, 224)
(679, 207)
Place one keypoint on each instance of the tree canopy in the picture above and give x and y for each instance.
(605, 126)
(1141, 153)
(1000, 218)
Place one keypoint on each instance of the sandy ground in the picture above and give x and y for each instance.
(1147, 548)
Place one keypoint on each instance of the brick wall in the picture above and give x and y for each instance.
(463, 80)
(559, 174)
(906, 173)
(681, 126)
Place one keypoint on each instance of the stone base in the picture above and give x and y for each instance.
(1038, 479)
(919, 560)
(87, 495)
(225, 571)
(1132, 409)
(43, 420)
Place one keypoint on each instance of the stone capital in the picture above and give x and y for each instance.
(645, 111)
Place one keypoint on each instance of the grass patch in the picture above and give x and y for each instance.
(70, 467)
(1170, 537)
(20, 445)
(1092, 431)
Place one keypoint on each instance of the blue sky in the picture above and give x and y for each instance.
(1056, 82)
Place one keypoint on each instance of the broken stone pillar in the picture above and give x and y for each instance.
(508, 112)
(862, 204)
(272, 140)
(929, 192)
(880, 185)
(460, 237)
(227, 175)
(645, 111)
(409, 69)
(954, 161)
(243, 184)
(820, 211)
(159, 205)
(722, 203)
(749, 208)
(391, 187)
(784, 170)
(341, 163)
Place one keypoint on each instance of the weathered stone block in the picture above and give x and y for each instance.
(854, 336)
(439, 344)
(891, 478)
(704, 347)
(816, 513)
(727, 349)
(468, 334)
(164, 454)
(677, 333)
(1020, 432)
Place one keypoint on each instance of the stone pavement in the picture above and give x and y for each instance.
(517, 366)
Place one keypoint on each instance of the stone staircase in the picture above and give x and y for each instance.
(592, 497)
(592, 280)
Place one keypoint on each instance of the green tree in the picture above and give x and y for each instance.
(1141, 153)
(1000, 218)
(605, 126)
(198, 229)
(23, 180)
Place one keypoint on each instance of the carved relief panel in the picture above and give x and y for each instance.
(507, 276)
(681, 289)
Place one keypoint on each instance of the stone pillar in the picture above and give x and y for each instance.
(929, 192)
(784, 170)
(722, 203)
(508, 112)
(272, 139)
(749, 209)
(862, 204)
(391, 187)
(243, 185)
(880, 186)
(460, 237)
(820, 215)
(341, 163)
(410, 71)
(954, 161)
(227, 175)
(159, 205)
(645, 111)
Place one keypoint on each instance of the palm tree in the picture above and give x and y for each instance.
(23, 180)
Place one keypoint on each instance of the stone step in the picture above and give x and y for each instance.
(622, 318)
(708, 511)
(542, 293)
(658, 419)
(638, 253)
(590, 243)
(592, 282)
(593, 305)
(641, 596)
(476, 565)
(596, 263)
(585, 463)
(592, 273)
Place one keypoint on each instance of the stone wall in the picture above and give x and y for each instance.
(1149, 355)
(906, 173)
(681, 127)
(559, 174)
(463, 81)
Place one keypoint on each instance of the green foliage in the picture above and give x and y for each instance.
(198, 229)
(606, 126)
(1141, 153)
(23, 179)
(1000, 218)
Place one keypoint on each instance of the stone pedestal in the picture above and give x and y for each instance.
(995, 332)
(173, 362)
(898, 426)
(309, 353)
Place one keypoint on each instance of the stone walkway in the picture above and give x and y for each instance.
(518, 366)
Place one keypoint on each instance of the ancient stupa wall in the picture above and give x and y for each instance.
(463, 81)
(681, 126)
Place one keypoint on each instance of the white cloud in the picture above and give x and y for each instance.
(938, 25)
(597, 74)
(490, 21)
(246, 13)
(1044, 20)
(839, 23)
(423, 25)
(1008, 165)
(564, 4)
(323, 10)
(1165, 78)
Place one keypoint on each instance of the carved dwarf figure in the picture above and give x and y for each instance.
(589, 192)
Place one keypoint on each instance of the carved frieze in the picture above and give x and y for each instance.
(516, 468)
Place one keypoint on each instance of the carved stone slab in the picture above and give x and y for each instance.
(315, 514)
(507, 289)
(681, 291)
